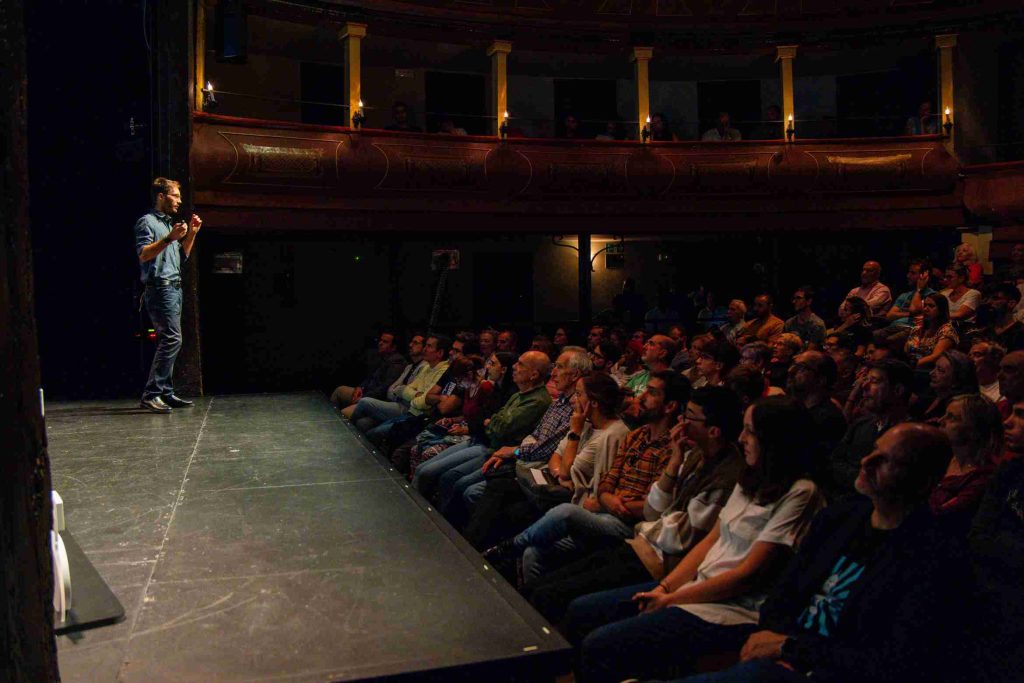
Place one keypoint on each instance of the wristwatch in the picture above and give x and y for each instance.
(572, 436)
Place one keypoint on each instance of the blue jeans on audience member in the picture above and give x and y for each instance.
(564, 532)
(615, 642)
(371, 412)
(453, 483)
(163, 303)
(427, 475)
(754, 671)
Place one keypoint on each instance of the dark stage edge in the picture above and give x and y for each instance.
(258, 537)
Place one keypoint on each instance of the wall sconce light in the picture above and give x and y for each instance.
(790, 130)
(503, 128)
(209, 100)
(948, 125)
(645, 133)
(357, 117)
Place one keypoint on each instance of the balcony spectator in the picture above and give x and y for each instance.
(723, 132)
(612, 131)
(448, 127)
(661, 129)
(804, 322)
(925, 123)
(963, 301)
(877, 295)
(771, 128)
(569, 127)
(401, 119)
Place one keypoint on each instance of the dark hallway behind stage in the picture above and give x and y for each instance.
(256, 537)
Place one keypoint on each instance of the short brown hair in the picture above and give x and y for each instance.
(163, 186)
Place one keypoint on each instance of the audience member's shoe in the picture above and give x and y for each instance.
(177, 402)
(155, 405)
(505, 550)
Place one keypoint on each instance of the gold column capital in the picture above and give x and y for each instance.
(642, 54)
(499, 46)
(785, 52)
(945, 40)
(352, 30)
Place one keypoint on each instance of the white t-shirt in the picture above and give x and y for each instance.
(594, 457)
(971, 299)
(742, 523)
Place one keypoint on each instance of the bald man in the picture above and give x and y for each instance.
(878, 296)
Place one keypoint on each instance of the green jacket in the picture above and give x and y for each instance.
(517, 417)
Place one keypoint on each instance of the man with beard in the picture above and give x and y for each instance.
(811, 376)
(161, 246)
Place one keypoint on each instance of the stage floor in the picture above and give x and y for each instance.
(258, 538)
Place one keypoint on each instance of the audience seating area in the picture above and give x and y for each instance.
(739, 490)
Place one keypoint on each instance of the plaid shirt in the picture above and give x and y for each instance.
(638, 464)
(541, 443)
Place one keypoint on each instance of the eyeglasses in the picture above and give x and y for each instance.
(687, 417)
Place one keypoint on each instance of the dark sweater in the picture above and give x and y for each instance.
(901, 618)
(385, 374)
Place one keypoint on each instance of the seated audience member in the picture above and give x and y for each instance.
(448, 127)
(997, 551)
(889, 386)
(498, 507)
(569, 127)
(663, 315)
(855, 324)
(629, 305)
(618, 336)
(847, 367)
(560, 338)
(638, 335)
(612, 131)
(908, 309)
(784, 347)
(987, 356)
(877, 295)
(661, 129)
(658, 352)
(952, 375)
(764, 324)
(492, 390)
(747, 382)
(811, 376)
(681, 360)
(709, 315)
(681, 508)
(934, 336)
(411, 397)
(508, 341)
(974, 428)
(713, 358)
(925, 123)
(488, 341)
(567, 531)
(870, 593)
(723, 132)
(809, 327)
(735, 319)
(1005, 329)
(604, 356)
(963, 301)
(597, 334)
(758, 355)
(1011, 381)
(771, 127)
(391, 366)
(629, 364)
(966, 256)
(506, 428)
(400, 119)
(544, 344)
(709, 603)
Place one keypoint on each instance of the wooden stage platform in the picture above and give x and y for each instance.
(258, 537)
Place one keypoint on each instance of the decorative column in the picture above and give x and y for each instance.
(784, 56)
(200, 56)
(641, 58)
(585, 281)
(945, 44)
(498, 52)
(352, 43)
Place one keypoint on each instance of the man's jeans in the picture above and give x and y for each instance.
(371, 412)
(163, 303)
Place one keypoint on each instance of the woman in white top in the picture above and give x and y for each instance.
(963, 301)
(709, 603)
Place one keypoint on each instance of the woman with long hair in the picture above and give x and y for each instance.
(975, 430)
(934, 335)
(953, 374)
(710, 601)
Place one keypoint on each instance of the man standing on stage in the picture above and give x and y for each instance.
(162, 246)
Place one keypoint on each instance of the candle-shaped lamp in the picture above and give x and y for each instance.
(357, 116)
(948, 125)
(790, 130)
(209, 100)
(503, 128)
(645, 133)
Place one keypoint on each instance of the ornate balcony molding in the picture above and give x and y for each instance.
(995, 192)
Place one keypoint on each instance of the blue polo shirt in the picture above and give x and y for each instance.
(153, 227)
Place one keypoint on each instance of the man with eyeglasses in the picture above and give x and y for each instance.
(604, 356)
(805, 323)
(658, 353)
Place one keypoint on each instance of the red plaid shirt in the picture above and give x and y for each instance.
(638, 464)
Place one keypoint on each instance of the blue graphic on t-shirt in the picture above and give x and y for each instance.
(823, 613)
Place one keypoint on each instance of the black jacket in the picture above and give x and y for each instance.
(902, 619)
